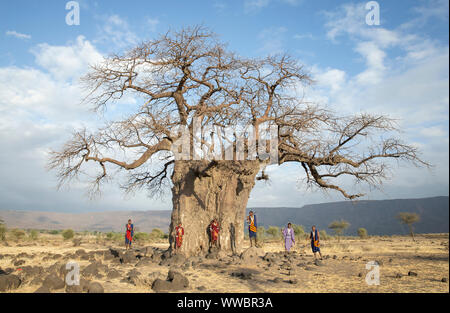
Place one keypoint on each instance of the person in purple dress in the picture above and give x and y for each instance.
(289, 237)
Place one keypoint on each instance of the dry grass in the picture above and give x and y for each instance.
(428, 256)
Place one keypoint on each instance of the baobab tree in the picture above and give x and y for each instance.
(188, 80)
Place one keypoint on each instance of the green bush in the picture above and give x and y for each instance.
(141, 236)
(54, 232)
(17, 234)
(113, 236)
(34, 234)
(323, 235)
(273, 231)
(261, 232)
(362, 232)
(156, 234)
(2, 230)
(68, 234)
(299, 231)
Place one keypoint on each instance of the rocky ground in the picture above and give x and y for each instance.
(405, 266)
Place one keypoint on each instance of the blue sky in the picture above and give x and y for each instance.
(399, 68)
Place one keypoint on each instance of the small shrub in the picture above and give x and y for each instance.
(323, 235)
(299, 232)
(156, 234)
(34, 234)
(2, 230)
(17, 234)
(261, 233)
(273, 231)
(54, 232)
(362, 233)
(68, 234)
(141, 236)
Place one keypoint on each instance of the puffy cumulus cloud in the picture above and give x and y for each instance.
(39, 109)
(67, 62)
(411, 86)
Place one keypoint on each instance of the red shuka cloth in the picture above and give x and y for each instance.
(214, 232)
(129, 230)
(179, 237)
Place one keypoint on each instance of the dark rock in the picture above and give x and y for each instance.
(94, 269)
(42, 289)
(114, 253)
(143, 262)
(128, 257)
(36, 281)
(201, 288)
(160, 285)
(318, 262)
(244, 273)
(277, 280)
(411, 273)
(360, 275)
(53, 282)
(95, 287)
(176, 259)
(293, 281)
(19, 263)
(398, 275)
(113, 274)
(444, 280)
(178, 280)
(80, 252)
(74, 289)
(9, 282)
(175, 281)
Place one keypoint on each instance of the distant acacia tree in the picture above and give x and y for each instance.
(409, 219)
(338, 227)
(362, 232)
(190, 80)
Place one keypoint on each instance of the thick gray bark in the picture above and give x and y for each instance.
(204, 190)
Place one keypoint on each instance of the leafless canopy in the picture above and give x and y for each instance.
(190, 74)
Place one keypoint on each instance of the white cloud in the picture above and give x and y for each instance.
(67, 62)
(17, 35)
(39, 109)
(152, 23)
(116, 32)
(272, 40)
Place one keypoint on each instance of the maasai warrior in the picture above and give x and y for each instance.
(179, 233)
(214, 231)
(289, 237)
(129, 234)
(252, 228)
(315, 242)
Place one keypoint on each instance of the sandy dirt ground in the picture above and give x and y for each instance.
(342, 270)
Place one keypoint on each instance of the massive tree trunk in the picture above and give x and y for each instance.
(204, 190)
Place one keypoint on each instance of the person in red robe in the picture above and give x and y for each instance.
(214, 230)
(179, 233)
(129, 234)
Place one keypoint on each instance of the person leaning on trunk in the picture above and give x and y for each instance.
(252, 228)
